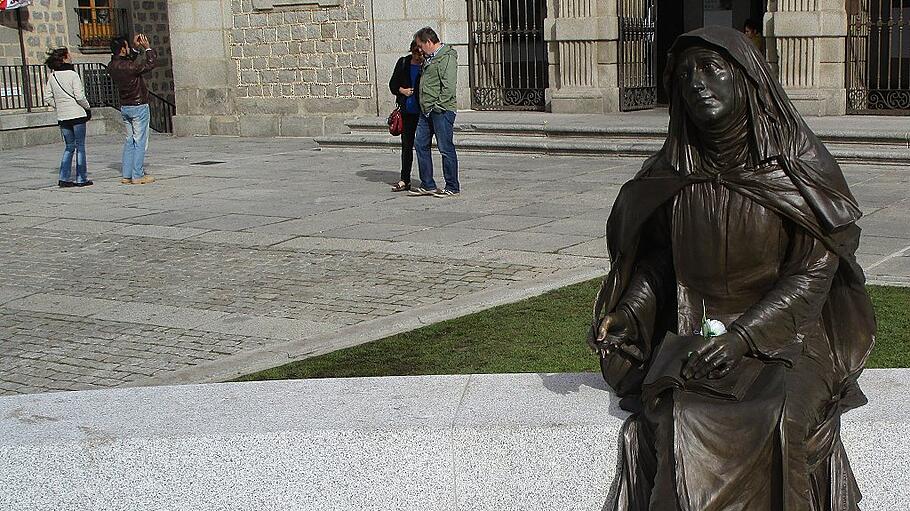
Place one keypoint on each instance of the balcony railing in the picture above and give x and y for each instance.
(22, 88)
(98, 25)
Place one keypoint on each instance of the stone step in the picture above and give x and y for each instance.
(644, 128)
(642, 146)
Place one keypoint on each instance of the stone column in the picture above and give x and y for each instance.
(204, 76)
(806, 44)
(582, 39)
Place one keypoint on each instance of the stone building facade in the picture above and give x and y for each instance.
(150, 17)
(301, 67)
(54, 23)
(44, 26)
(292, 67)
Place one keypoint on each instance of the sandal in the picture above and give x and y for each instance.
(401, 186)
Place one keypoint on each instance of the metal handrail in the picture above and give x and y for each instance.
(162, 113)
(23, 88)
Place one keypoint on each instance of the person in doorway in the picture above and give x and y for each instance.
(134, 98)
(404, 84)
(437, 105)
(66, 93)
(752, 29)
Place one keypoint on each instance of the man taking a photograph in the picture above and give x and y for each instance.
(127, 71)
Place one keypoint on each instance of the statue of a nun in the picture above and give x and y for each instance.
(742, 217)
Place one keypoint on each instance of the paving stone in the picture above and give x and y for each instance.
(593, 248)
(61, 304)
(161, 315)
(170, 218)
(87, 226)
(159, 231)
(575, 226)
(452, 236)
(504, 222)
(109, 285)
(234, 222)
(532, 241)
(309, 225)
(10, 293)
(244, 239)
(370, 231)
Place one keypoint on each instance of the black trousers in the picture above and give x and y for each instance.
(407, 144)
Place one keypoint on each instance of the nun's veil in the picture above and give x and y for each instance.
(776, 130)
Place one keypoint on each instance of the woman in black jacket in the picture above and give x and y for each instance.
(403, 85)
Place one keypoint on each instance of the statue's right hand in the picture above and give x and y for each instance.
(612, 325)
(617, 330)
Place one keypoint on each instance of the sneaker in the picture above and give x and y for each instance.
(85, 183)
(144, 180)
(66, 184)
(444, 193)
(422, 192)
(126, 181)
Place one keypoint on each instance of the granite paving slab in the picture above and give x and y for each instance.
(217, 270)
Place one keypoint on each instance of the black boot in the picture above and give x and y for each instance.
(66, 184)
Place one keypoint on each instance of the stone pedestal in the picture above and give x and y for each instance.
(806, 41)
(582, 39)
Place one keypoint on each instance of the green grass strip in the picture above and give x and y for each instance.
(543, 334)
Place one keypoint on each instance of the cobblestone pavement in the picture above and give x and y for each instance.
(246, 245)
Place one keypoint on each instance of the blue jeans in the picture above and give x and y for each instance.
(136, 121)
(74, 138)
(442, 125)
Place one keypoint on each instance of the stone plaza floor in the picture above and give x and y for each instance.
(249, 252)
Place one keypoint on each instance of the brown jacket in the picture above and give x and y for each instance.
(127, 74)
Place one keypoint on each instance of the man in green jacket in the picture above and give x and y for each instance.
(437, 105)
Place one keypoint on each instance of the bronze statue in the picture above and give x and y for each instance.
(745, 218)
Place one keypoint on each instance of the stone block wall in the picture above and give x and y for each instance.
(150, 17)
(297, 67)
(44, 26)
(320, 54)
(302, 69)
(279, 68)
(395, 22)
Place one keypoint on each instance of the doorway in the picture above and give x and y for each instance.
(878, 57)
(507, 54)
(676, 17)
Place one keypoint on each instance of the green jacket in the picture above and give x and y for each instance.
(438, 81)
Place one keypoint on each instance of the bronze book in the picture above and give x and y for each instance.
(671, 356)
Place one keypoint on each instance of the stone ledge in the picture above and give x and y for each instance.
(588, 29)
(268, 5)
(524, 441)
(806, 24)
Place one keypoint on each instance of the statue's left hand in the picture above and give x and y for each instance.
(716, 357)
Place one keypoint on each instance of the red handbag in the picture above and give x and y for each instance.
(395, 122)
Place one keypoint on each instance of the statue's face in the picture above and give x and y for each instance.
(705, 79)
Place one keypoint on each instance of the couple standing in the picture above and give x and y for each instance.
(424, 86)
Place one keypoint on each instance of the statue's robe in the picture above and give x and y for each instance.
(768, 279)
(769, 248)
